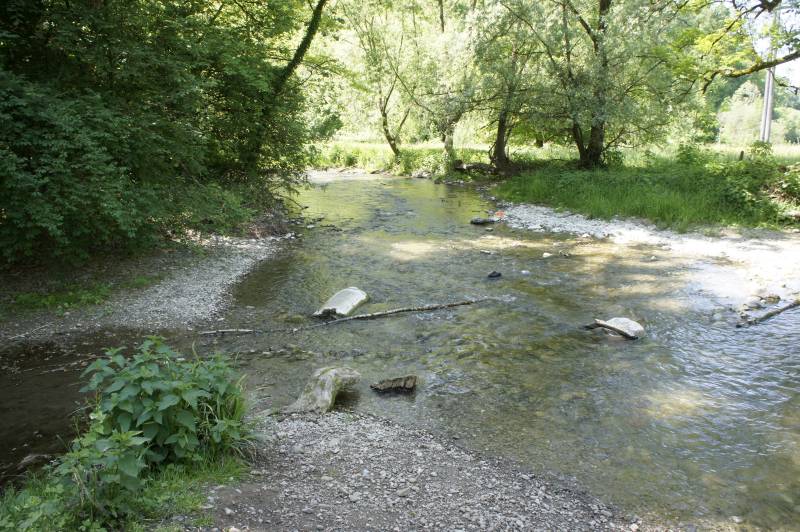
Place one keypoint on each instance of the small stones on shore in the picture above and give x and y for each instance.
(414, 481)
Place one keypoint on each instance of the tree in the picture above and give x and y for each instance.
(381, 35)
(605, 88)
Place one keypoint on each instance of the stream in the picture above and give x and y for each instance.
(697, 422)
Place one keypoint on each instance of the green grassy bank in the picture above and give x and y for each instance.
(687, 187)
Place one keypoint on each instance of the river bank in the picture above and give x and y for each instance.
(345, 471)
(663, 426)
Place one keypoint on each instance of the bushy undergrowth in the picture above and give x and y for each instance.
(157, 416)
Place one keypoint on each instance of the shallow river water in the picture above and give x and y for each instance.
(697, 422)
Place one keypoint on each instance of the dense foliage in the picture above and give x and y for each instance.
(154, 411)
(600, 76)
(111, 113)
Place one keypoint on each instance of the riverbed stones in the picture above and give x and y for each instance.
(319, 394)
(342, 303)
(405, 384)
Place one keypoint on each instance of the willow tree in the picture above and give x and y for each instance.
(380, 61)
(607, 85)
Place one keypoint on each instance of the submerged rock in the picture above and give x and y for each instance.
(342, 302)
(321, 390)
(494, 275)
(400, 384)
(482, 221)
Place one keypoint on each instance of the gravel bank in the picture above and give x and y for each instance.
(346, 471)
(760, 260)
(194, 292)
(193, 287)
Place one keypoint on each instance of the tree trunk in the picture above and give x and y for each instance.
(499, 155)
(387, 132)
(251, 150)
(449, 150)
(593, 154)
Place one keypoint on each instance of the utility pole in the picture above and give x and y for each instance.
(769, 87)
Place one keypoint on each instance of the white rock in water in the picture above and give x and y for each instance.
(628, 325)
(342, 302)
(546, 255)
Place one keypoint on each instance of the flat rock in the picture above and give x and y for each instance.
(400, 384)
(342, 303)
(627, 325)
(321, 390)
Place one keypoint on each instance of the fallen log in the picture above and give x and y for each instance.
(767, 315)
(370, 316)
(374, 315)
(228, 331)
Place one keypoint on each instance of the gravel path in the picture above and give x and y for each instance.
(346, 471)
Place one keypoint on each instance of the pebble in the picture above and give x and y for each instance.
(228, 511)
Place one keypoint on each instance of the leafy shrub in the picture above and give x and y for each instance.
(183, 408)
(154, 411)
(787, 185)
(691, 154)
(61, 187)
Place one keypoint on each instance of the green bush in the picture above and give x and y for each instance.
(154, 411)
(788, 184)
(183, 408)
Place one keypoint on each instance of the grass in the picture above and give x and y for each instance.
(176, 490)
(672, 188)
(75, 295)
(671, 198)
(62, 300)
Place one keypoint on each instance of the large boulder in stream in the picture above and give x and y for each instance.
(321, 390)
(342, 303)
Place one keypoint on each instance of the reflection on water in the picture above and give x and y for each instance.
(697, 421)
